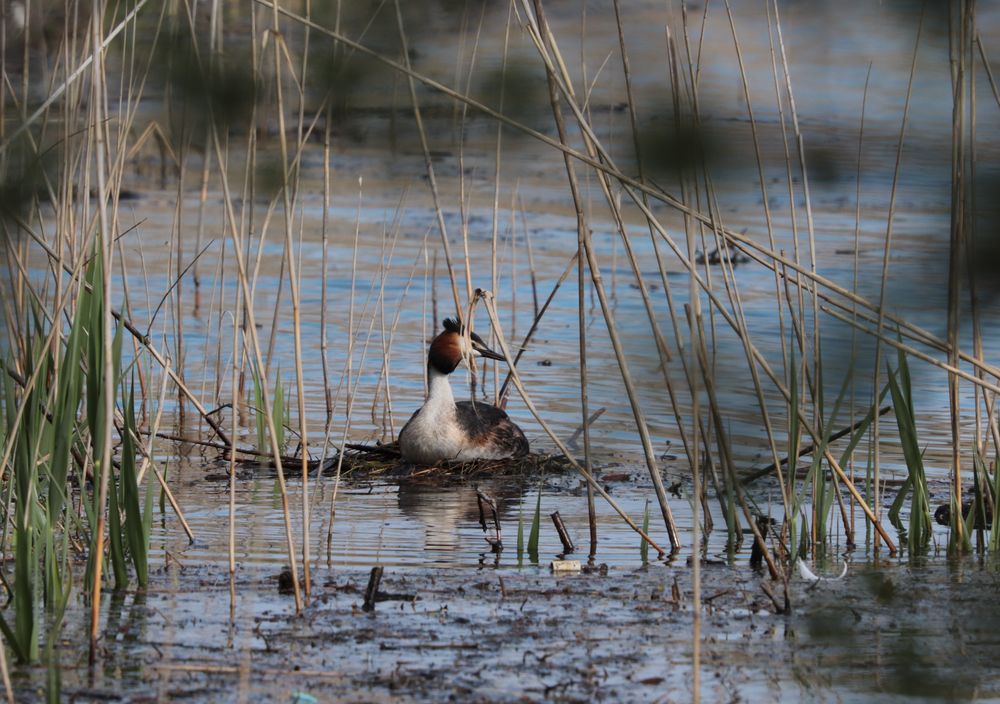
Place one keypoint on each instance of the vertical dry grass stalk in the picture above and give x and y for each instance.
(258, 361)
(429, 165)
(545, 43)
(876, 371)
(348, 367)
(962, 30)
(857, 255)
(487, 298)
(293, 279)
(234, 400)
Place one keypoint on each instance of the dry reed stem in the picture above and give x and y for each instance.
(693, 454)
(584, 405)
(324, 342)
(959, 49)
(989, 70)
(166, 489)
(591, 140)
(262, 372)
(523, 347)
(857, 246)
(387, 341)
(169, 370)
(727, 264)
(765, 198)
(487, 298)
(988, 400)
(775, 379)
(675, 86)
(977, 336)
(494, 224)
(348, 366)
(817, 387)
(293, 281)
(428, 164)
(8, 690)
(544, 45)
(235, 393)
(464, 202)
(729, 280)
(55, 93)
(734, 484)
(146, 449)
(148, 452)
(727, 267)
(951, 370)
(904, 328)
(877, 367)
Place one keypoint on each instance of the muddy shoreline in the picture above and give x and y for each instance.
(524, 634)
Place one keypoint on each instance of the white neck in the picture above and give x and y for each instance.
(439, 395)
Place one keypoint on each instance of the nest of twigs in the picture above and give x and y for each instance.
(366, 461)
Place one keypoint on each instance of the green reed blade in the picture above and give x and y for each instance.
(116, 355)
(147, 514)
(995, 527)
(30, 522)
(64, 419)
(977, 514)
(863, 426)
(25, 634)
(116, 548)
(134, 524)
(53, 678)
(536, 523)
(898, 503)
(920, 527)
(520, 534)
(643, 545)
(92, 315)
(53, 580)
(260, 422)
(278, 411)
(793, 415)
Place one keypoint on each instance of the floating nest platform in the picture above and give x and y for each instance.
(366, 461)
(374, 460)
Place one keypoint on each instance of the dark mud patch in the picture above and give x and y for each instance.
(528, 635)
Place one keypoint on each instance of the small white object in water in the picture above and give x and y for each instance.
(810, 576)
(565, 565)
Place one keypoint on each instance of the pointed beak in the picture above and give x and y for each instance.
(484, 351)
(490, 354)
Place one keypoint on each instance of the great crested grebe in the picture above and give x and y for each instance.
(444, 430)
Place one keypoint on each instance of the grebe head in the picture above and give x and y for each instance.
(450, 348)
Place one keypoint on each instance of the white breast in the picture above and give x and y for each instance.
(433, 434)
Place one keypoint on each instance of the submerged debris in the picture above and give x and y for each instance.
(810, 576)
(286, 582)
(942, 516)
(716, 257)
